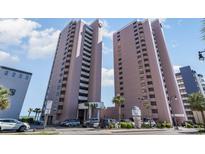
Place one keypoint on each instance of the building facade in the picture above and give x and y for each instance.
(143, 73)
(76, 72)
(17, 82)
(189, 81)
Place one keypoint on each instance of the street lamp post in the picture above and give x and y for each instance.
(172, 100)
(201, 57)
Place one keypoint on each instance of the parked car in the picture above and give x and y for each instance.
(147, 122)
(13, 124)
(93, 122)
(70, 123)
(106, 123)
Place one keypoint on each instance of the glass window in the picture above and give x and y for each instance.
(27, 77)
(6, 72)
(13, 74)
(20, 75)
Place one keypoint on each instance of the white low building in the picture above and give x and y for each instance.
(17, 82)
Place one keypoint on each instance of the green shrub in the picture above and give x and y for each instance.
(188, 125)
(27, 120)
(129, 125)
(164, 124)
(145, 126)
(126, 125)
(123, 124)
(168, 125)
(196, 126)
(159, 125)
(111, 126)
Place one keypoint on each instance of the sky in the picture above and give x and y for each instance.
(29, 45)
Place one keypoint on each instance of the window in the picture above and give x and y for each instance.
(151, 96)
(60, 107)
(6, 72)
(146, 65)
(121, 88)
(147, 71)
(151, 89)
(121, 83)
(61, 100)
(154, 111)
(153, 103)
(20, 75)
(149, 82)
(13, 74)
(149, 76)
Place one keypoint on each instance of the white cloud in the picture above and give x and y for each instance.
(6, 57)
(105, 31)
(14, 30)
(163, 22)
(107, 77)
(176, 68)
(25, 33)
(106, 50)
(42, 43)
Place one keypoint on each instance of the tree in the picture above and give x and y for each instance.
(197, 103)
(37, 111)
(29, 111)
(118, 100)
(91, 107)
(4, 98)
(147, 107)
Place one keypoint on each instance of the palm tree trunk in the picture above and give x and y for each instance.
(203, 117)
(119, 112)
(197, 115)
(29, 113)
(35, 116)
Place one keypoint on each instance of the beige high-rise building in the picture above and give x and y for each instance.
(76, 72)
(143, 73)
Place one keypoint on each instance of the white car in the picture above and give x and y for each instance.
(13, 124)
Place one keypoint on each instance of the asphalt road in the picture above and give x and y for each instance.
(92, 131)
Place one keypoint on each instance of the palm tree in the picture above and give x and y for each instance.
(29, 111)
(91, 107)
(37, 111)
(197, 103)
(147, 107)
(118, 100)
(4, 98)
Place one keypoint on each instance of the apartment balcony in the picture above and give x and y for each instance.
(84, 85)
(83, 91)
(59, 111)
(86, 58)
(83, 98)
(84, 79)
(84, 73)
